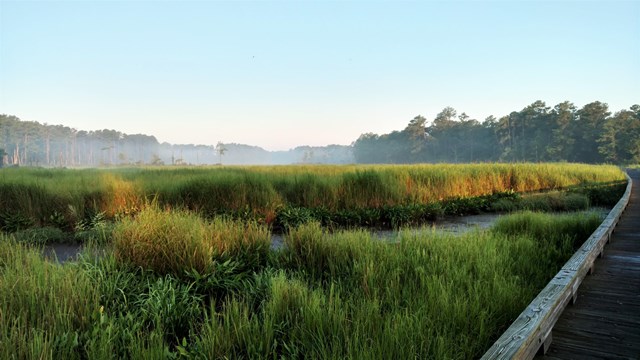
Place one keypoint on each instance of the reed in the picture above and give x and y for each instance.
(178, 242)
(45, 309)
(63, 198)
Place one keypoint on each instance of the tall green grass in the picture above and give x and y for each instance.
(45, 310)
(178, 242)
(65, 198)
(323, 296)
(336, 187)
(557, 237)
(346, 295)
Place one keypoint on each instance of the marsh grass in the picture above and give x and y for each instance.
(64, 198)
(606, 195)
(179, 280)
(549, 227)
(178, 242)
(555, 201)
(324, 296)
(556, 238)
(346, 295)
(45, 309)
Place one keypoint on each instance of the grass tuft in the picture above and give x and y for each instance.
(178, 242)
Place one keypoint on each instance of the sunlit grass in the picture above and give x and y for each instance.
(62, 198)
(178, 242)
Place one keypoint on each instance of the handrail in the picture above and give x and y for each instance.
(531, 331)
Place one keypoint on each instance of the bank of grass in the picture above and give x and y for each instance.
(63, 198)
(551, 201)
(354, 195)
(557, 235)
(363, 186)
(325, 295)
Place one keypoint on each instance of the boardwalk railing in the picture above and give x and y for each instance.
(531, 331)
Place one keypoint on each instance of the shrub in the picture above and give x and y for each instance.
(12, 222)
(504, 205)
(99, 235)
(292, 217)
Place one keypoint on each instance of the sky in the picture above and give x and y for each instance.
(280, 74)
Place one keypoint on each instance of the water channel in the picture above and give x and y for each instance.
(448, 224)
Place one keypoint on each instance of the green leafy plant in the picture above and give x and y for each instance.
(12, 222)
(57, 219)
(92, 221)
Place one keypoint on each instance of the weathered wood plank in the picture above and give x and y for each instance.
(568, 351)
(583, 322)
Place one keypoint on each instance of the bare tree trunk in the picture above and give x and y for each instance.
(111, 148)
(16, 155)
(66, 152)
(74, 149)
(24, 151)
(48, 148)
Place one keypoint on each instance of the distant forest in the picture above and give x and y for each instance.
(536, 133)
(29, 143)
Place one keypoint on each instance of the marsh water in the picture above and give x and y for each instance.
(448, 224)
(451, 224)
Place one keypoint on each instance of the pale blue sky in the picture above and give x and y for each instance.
(282, 74)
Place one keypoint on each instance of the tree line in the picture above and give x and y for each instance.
(30, 143)
(591, 134)
(537, 133)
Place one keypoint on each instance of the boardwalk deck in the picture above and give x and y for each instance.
(604, 323)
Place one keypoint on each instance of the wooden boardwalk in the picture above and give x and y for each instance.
(604, 323)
